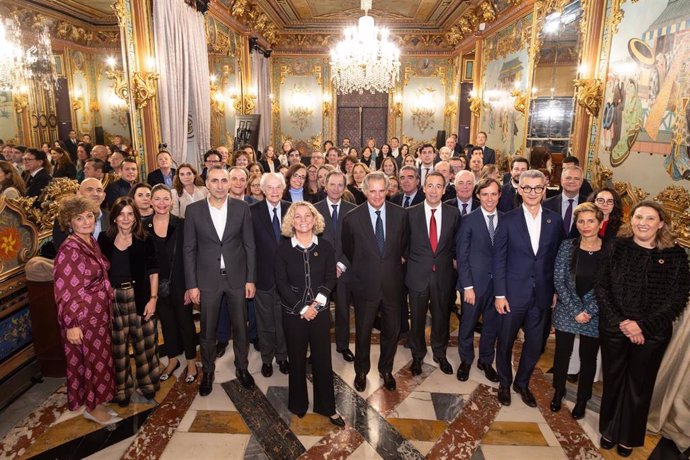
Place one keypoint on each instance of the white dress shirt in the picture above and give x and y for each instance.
(219, 218)
(533, 227)
(437, 216)
(270, 212)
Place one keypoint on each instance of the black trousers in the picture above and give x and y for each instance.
(629, 377)
(436, 299)
(300, 333)
(589, 346)
(210, 307)
(178, 327)
(365, 315)
(343, 299)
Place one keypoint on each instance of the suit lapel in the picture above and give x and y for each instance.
(546, 223)
(227, 220)
(207, 215)
(524, 231)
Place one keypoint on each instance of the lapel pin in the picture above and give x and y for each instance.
(661, 261)
(316, 254)
(548, 221)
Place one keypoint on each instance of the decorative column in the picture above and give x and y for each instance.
(139, 68)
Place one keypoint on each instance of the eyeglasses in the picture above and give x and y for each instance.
(299, 176)
(604, 201)
(528, 189)
(25, 159)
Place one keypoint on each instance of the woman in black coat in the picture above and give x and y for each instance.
(643, 289)
(133, 275)
(167, 233)
(305, 276)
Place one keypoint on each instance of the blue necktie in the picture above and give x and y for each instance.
(379, 232)
(464, 209)
(492, 229)
(334, 216)
(567, 219)
(276, 224)
(407, 202)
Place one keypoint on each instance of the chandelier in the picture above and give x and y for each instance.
(11, 55)
(365, 60)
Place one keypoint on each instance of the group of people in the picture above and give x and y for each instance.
(264, 246)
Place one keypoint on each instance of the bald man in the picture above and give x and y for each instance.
(93, 190)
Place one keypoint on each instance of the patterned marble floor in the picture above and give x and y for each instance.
(429, 416)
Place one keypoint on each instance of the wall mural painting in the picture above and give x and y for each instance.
(506, 71)
(646, 108)
(222, 44)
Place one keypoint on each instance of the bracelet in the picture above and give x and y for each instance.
(154, 296)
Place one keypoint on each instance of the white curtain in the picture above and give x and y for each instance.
(183, 89)
(261, 80)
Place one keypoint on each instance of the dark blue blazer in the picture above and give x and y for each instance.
(555, 203)
(155, 177)
(489, 156)
(507, 201)
(265, 241)
(475, 253)
(523, 277)
(400, 197)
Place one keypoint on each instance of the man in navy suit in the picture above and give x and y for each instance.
(165, 172)
(410, 194)
(565, 202)
(374, 239)
(509, 190)
(475, 253)
(525, 250)
(428, 159)
(333, 209)
(429, 272)
(464, 186)
(488, 154)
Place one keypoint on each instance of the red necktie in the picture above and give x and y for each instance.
(433, 238)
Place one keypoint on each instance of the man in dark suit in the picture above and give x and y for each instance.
(267, 216)
(475, 253)
(586, 188)
(71, 144)
(212, 159)
(165, 172)
(410, 194)
(35, 175)
(525, 250)
(220, 260)
(333, 209)
(93, 190)
(444, 168)
(428, 159)
(429, 272)
(374, 239)
(122, 186)
(507, 202)
(464, 187)
(565, 202)
(488, 154)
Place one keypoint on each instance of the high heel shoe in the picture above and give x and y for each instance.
(606, 444)
(578, 411)
(556, 401)
(190, 378)
(110, 421)
(165, 375)
(337, 421)
(624, 451)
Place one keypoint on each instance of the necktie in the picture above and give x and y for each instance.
(433, 237)
(425, 174)
(407, 202)
(334, 216)
(464, 209)
(276, 224)
(379, 232)
(568, 216)
(492, 229)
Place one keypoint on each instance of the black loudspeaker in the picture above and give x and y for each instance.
(100, 135)
(247, 131)
(440, 139)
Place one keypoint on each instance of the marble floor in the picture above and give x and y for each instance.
(432, 415)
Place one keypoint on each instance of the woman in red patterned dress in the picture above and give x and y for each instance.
(83, 297)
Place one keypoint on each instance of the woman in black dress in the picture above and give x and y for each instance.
(305, 276)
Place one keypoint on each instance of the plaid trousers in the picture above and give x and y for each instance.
(128, 327)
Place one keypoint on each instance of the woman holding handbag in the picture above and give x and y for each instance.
(167, 233)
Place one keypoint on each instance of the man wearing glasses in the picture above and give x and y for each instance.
(212, 159)
(35, 177)
(525, 246)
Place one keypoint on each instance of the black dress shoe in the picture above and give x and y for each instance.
(206, 385)
(284, 366)
(527, 396)
(220, 349)
(624, 451)
(606, 444)
(347, 355)
(555, 405)
(578, 411)
(360, 382)
(444, 365)
(416, 366)
(337, 421)
(489, 372)
(388, 381)
(504, 395)
(463, 372)
(245, 378)
(266, 370)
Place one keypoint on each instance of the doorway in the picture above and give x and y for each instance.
(361, 116)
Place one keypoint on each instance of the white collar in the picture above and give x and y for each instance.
(295, 243)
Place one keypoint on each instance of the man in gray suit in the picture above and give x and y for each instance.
(333, 209)
(220, 260)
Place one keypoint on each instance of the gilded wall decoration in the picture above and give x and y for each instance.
(251, 15)
(18, 237)
(643, 125)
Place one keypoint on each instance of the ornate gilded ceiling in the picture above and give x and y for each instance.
(92, 11)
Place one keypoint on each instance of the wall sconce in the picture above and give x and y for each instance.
(326, 105)
(451, 106)
(20, 98)
(120, 86)
(424, 109)
(144, 84)
(300, 108)
(475, 103)
(589, 94)
(520, 100)
(77, 100)
(217, 98)
(397, 106)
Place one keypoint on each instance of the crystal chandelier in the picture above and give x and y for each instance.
(11, 55)
(365, 60)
